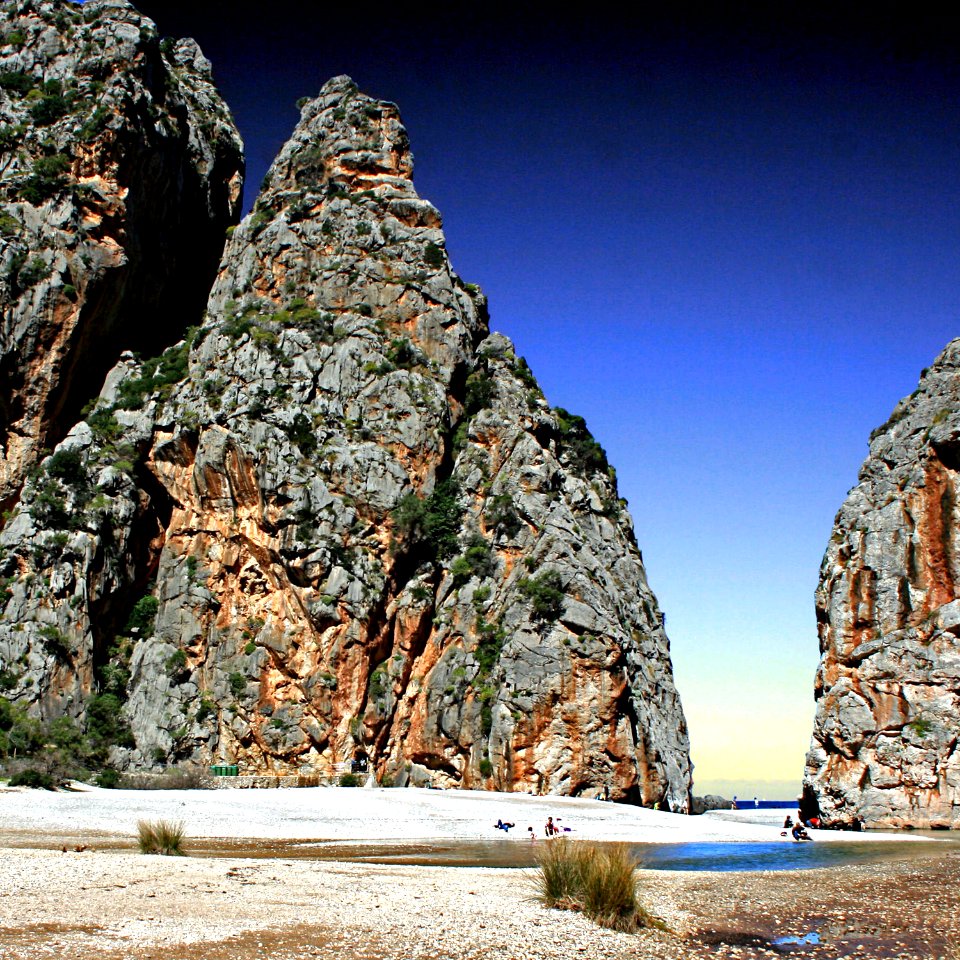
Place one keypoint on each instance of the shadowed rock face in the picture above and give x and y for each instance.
(364, 531)
(888, 687)
(120, 170)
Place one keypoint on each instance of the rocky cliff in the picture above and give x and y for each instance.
(885, 743)
(340, 521)
(120, 171)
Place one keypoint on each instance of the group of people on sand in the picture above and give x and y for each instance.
(799, 829)
(550, 829)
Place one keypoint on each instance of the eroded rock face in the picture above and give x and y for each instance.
(888, 686)
(121, 169)
(364, 531)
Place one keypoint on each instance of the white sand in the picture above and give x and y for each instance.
(341, 813)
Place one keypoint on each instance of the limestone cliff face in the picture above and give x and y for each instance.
(340, 520)
(120, 171)
(885, 743)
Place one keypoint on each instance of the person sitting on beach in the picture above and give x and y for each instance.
(798, 833)
(788, 823)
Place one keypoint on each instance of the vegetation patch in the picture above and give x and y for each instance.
(491, 638)
(545, 592)
(46, 179)
(921, 726)
(479, 392)
(302, 435)
(163, 837)
(501, 514)
(476, 561)
(598, 880)
(433, 255)
(31, 777)
(431, 522)
(59, 750)
(576, 443)
(158, 375)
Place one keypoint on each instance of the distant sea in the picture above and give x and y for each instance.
(744, 804)
(775, 791)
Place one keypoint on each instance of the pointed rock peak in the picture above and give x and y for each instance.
(345, 142)
(338, 86)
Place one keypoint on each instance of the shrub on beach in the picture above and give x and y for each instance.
(349, 780)
(161, 836)
(596, 879)
(31, 777)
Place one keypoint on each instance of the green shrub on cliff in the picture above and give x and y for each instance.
(475, 561)
(14, 81)
(501, 514)
(545, 592)
(577, 444)
(432, 522)
(142, 616)
(157, 375)
(46, 180)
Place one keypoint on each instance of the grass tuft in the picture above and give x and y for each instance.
(161, 836)
(597, 879)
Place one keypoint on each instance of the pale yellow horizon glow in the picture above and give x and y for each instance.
(744, 732)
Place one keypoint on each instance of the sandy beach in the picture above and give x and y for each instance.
(340, 813)
(110, 902)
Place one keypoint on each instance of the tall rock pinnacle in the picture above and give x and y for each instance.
(121, 169)
(341, 522)
(885, 742)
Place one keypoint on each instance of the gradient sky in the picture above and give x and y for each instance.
(728, 239)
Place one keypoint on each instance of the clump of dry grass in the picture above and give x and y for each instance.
(161, 836)
(597, 879)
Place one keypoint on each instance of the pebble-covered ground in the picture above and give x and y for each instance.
(111, 905)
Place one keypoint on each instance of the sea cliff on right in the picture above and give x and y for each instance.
(887, 727)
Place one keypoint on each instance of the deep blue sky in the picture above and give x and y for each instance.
(730, 240)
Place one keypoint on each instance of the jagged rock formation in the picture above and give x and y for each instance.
(352, 525)
(121, 169)
(885, 743)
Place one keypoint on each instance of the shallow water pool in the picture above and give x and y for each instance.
(714, 856)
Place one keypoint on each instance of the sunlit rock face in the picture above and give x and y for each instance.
(888, 686)
(346, 521)
(120, 171)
